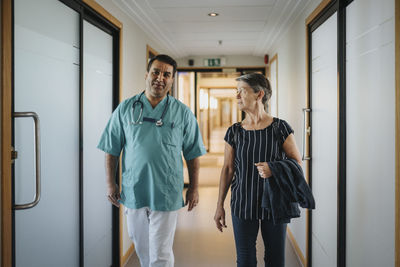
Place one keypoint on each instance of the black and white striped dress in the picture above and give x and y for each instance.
(252, 146)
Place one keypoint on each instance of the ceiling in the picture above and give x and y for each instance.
(243, 27)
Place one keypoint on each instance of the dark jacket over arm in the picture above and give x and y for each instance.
(285, 190)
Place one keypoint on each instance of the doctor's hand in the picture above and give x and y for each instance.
(263, 169)
(192, 198)
(113, 194)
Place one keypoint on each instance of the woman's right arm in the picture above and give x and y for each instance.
(224, 183)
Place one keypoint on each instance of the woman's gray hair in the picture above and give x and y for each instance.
(257, 82)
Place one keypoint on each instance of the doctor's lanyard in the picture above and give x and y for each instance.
(159, 122)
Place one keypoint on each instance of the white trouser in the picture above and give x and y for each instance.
(152, 232)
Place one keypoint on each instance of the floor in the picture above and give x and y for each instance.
(217, 143)
(198, 243)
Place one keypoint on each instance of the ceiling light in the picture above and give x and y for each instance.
(213, 14)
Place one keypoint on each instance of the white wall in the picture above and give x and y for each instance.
(237, 61)
(291, 50)
(133, 65)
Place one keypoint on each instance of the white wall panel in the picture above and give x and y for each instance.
(97, 109)
(324, 142)
(370, 133)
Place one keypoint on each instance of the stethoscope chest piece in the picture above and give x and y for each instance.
(159, 123)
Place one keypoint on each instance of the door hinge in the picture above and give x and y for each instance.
(14, 154)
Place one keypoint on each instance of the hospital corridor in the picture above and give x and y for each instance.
(108, 105)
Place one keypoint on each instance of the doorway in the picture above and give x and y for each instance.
(217, 108)
(211, 95)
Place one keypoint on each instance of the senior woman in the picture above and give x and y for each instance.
(249, 146)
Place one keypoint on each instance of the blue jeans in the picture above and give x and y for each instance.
(274, 236)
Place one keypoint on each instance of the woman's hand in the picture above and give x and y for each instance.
(263, 169)
(219, 218)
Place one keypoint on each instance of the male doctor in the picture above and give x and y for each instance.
(152, 130)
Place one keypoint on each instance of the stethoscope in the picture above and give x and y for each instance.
(159, 122)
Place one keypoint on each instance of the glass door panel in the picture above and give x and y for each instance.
(97, 109)
(47, 83)
(370, 118)
(324, 142)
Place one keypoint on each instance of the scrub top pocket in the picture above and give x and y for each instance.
(170, 135)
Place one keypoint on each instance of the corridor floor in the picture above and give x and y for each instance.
(198, 243)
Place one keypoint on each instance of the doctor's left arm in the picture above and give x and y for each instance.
(112, 187)
(192, 194)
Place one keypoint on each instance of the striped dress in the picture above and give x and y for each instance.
(252, 146)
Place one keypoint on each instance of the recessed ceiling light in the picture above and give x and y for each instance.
(213, 14)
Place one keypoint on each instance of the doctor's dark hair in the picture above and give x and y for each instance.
(257, 82)
(165, 59)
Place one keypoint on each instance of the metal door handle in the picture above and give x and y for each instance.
(35, 118)
(305, 132)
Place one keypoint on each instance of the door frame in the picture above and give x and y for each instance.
(397, 133)
(274, 59)
(6, 98)
(308, 164)
(324, 11)
(96, 14)
(150, 53)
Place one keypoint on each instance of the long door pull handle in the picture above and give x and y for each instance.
(36, 120)
(306, 131)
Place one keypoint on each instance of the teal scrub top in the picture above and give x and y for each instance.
(152, 168)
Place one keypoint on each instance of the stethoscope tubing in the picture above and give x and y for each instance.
(139, 120)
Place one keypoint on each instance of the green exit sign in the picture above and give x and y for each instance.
(212, 62)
